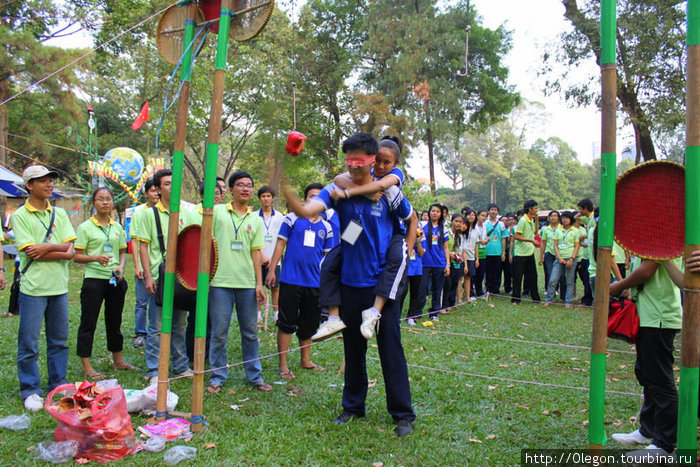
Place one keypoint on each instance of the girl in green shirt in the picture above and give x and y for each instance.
(566, 247)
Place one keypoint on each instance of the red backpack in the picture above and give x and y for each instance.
(623, 320)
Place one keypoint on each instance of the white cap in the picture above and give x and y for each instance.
(37, 171)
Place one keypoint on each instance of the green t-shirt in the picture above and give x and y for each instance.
(96, 240)
(619, 253)
(43, 278)
(236, 237)
(566, 241)
(196, 214)
(659, 302)
(526, 228)
(583, 250)
(547, 235)
(147, 232)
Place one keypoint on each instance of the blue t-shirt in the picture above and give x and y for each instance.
(332, 218)
(434, 256)
(398, 173)
(364, 261)
(415, 263)
(494, 247)
(302, 261)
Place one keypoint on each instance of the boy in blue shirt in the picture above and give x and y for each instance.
(367, 229)
(307, 241)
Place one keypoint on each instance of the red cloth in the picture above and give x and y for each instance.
(295, 143)
(143, 117)
(623, 320)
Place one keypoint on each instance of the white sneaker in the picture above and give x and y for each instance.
(260, 317)
(153, 380)
(328, 329)
(34, 403)
(370, 321)
(435, 318)
(631, 438)
(274, 317)
(652, 455)
(411, 322)
(188, 373)
(472, 299)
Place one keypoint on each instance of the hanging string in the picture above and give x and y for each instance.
(73, 62)
(466, 46)
(167, 106)
(294, 61)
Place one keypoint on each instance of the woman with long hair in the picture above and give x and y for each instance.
(101, 246)
(456, 245)
(436, 260)
(566, 248)
(482, 240)
(547, 255)
(471, 256)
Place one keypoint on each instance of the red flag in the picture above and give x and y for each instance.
(143, 117)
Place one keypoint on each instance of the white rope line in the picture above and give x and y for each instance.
(73, 62)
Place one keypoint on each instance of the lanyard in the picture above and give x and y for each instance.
(267, 226)
(358, 209)
(107, 232)
(566, 235)
(236, 229)
(42, 222)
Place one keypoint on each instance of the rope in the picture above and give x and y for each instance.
(512, 380)
(294, 63)
(73, 62)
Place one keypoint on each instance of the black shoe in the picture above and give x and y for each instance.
(403, 427)
(343, 418)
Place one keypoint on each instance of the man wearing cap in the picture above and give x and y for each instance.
(44, 236)
(366, 229)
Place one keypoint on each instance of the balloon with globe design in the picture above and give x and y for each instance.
(126, 163)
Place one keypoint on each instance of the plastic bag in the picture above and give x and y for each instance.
(133, 400)
(56, 453)
(180, 453)
(15, 422)
(155, 444)
(149, 397)
(105, 434)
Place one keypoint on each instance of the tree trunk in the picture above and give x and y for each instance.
(492, 182)
(429, 140)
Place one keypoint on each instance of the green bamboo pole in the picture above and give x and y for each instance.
(596, 413)
(690, 333)
(174, 217)
(212, 156)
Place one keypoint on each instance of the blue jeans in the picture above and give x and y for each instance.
(557, 271)
(221, 303)
(33, 310)
(178, 355)
(435, 277)
(141, 307)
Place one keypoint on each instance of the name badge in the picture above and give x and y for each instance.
(268, 238)
(107, 248)
(236, 245)
(563, 245)
(309, 238)
(352, 232)
(434, 240)
(413, 256)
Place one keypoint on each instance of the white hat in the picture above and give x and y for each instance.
(37, 171)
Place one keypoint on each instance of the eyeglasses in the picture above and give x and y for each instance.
(102, 200)
(244, 185)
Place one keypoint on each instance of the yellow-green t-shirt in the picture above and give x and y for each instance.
(236, 236)
(547, 235)
(196, 214)
(583, 252)
(566, 241)
(659, 301)
(43, 278)
(96, 240)
(147, 232)
(526, 228)
(619, 253)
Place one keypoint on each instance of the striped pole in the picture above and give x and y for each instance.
(212, 159)
(174, 217)
(596, 413)
(690, 333)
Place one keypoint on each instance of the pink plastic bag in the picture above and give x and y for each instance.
(104, 436)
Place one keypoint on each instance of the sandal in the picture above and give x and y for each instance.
(214, 389)
(287, 374)
(125, 367)
(94, 376)
(263, 386)
(314, 367)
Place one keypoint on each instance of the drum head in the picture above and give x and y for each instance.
(650, 210)
(170, 35)
(187, 264)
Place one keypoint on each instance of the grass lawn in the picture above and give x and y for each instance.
(472, 404)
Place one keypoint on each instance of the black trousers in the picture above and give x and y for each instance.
(189, 338)
(507, 275)
(654, 371)
(524, 267)
(391, 355)
(417, 300)
(450, 293)
(493, 273)
(92, 294)
(582, 269)
(478, 281)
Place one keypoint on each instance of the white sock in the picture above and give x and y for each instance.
(333, 318)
